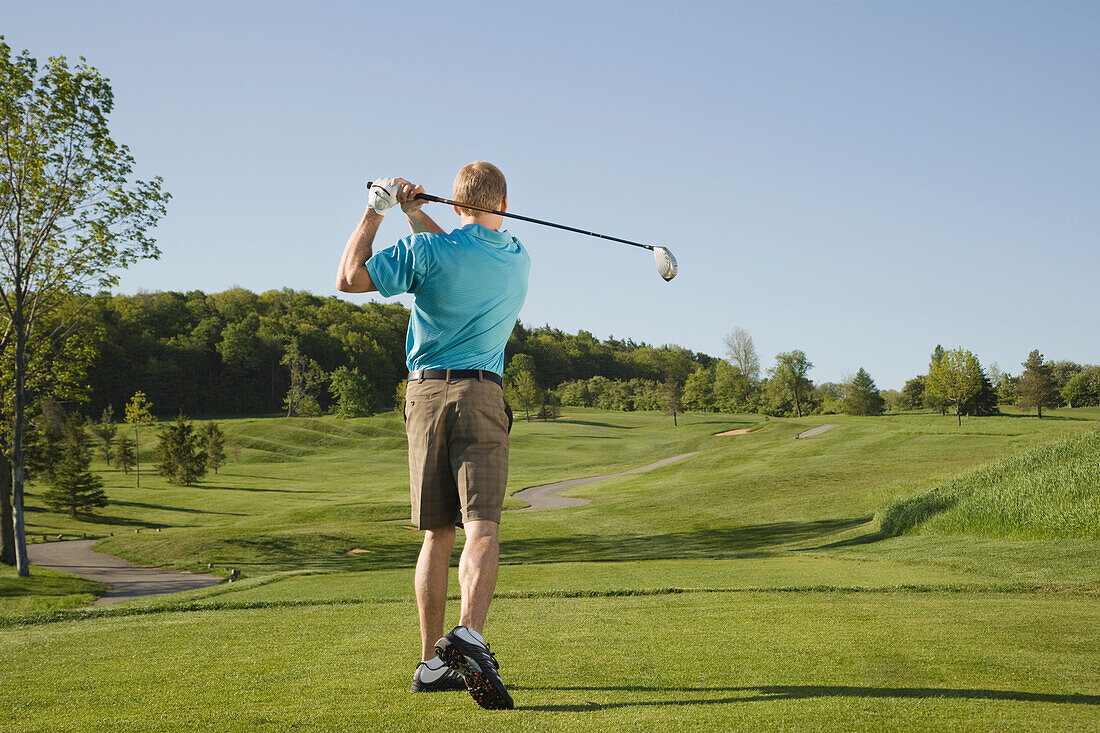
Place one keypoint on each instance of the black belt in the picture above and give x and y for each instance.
(450, 374)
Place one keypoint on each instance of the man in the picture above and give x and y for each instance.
(469, 286)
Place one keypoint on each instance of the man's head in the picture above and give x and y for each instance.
(481, 184)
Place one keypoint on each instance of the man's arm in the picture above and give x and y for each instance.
(418, 220)
(353, 277)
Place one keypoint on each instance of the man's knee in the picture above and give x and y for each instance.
(440, 535)
(481, 530)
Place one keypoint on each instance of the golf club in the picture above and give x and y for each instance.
(666, 262)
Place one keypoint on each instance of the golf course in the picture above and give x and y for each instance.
(893, 572)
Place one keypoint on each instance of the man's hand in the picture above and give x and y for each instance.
(406, 196)
(383, 194)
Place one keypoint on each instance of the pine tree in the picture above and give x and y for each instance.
(74, 488)
(863, 396)
(1037, 388)
(124, 454)
(213, 442)
(182, 461)
(106, 430)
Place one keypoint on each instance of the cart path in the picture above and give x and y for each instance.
(124, 581)
(815, 431)
(546, 496)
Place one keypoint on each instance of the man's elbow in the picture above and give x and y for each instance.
(360, 282)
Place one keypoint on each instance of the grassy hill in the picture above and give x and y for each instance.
(748, 586)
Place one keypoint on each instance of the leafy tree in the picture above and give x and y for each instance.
(74, 488)
(353, 393)
(70, 219)
(912, 394)
(830, 397)
(863, 396)
(306, 378)
(1063, 371)
(182, 459)
(213, 445)
(138, 413)
(742, 353)
(106, 430)
(671, 394)
(954, 379)
(734, 391)
(124, 454)
(1037, 387)
(931, 399)
(698, 391)
(893, 400)
(521, 385)
(1083, 388)
(1008, 390)
(791, 368)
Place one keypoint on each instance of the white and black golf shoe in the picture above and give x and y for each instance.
(440, 679)
(468, 655)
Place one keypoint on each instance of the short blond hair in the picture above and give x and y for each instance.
(481, 184)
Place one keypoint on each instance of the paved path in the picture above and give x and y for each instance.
(124, 581)
(546, 496)
(815, 431)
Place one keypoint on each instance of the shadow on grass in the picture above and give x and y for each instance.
(744, 541)
(802, 692)
(594, 424)
(163, 508)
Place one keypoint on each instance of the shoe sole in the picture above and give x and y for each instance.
(478, 684)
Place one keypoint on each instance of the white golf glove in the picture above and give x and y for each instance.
(382, 195)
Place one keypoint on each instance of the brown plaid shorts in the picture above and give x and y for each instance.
(458, 450)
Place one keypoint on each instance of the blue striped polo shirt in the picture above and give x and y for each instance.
(469, 286)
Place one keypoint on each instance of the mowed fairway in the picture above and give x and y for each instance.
(745, 587)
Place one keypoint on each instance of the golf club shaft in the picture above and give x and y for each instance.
(440, 200)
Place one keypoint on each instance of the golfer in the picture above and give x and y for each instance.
(469, 285)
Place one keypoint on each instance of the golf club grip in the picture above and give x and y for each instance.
(422, 196)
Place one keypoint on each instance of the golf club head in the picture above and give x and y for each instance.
(666, 263)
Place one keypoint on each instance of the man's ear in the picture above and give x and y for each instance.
(504, 203)
(457, 211)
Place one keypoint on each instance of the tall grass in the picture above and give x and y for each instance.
(1051, 491)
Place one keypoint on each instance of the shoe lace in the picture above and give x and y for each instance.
(492, 657)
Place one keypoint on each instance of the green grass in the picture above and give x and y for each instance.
(1050, 491)
(749, 586)
(45, 590)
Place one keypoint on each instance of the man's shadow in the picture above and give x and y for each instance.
(799, 692)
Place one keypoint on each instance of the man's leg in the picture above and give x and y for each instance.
(477, 572)
(431, 585)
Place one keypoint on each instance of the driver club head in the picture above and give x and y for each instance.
(666, 263)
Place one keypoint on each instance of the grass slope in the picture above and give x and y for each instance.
(1050, 491)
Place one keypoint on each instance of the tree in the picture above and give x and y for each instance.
(306, 378)
(742, 353)
(863, 396)
(985, 402)
(74, 488)
(954, 379)
(106, 430)
(353, 393)
(124, 454)
(671, 394)
(399, 396)
(1083, 389)
(213, 444)
(138, 413)
(933, 400)
(182, 460)
(1037, 387)
(791, 368)
(912, 394)
(520, 382)
(70, 219)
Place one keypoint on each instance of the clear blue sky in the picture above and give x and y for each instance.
(858, 180)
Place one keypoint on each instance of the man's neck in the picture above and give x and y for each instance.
(489, 221)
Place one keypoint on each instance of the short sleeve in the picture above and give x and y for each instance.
(400, 268)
